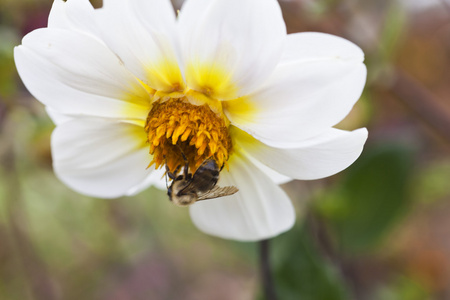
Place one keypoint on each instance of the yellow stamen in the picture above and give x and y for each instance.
(177, 126)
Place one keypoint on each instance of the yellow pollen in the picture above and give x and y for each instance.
(176, 126)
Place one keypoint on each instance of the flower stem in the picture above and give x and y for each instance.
(266, 275)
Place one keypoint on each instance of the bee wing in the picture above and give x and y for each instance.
(217, 192)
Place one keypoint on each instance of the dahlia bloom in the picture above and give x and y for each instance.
(133, 86)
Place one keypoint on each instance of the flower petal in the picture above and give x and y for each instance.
(301, 99)
(74, 73)
(156, 178)
(230, 46)
(311, 46)
(142, 33)
(318, 157)
(275, 176)
(99, 157)
(73, 15)
(259, 210)
(57, 117)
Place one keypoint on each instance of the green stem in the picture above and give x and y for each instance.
(266, 274)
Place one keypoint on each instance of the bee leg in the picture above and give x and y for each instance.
(184, 157)
(186, 166)
(171, 176)
(165, 175)
(182, 154)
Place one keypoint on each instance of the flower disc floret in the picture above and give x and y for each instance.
(176, 127)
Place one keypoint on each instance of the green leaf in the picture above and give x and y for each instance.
(300, 272)
(371, 198)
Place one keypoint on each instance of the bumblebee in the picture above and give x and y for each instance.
(189, 188)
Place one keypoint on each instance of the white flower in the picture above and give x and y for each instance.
(222, 80)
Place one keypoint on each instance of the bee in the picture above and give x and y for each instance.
(189, 188)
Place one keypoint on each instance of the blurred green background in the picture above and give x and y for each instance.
(378, 231)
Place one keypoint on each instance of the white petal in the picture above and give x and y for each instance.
(100, 157)
(230, 46)
(57, 117)
(318, 157)
(142, 33)
(271, 173)
(300, 100)
(58, 16)
(259, 210)
(311, 46)
(75, 74)
(156, 178)
(73, 15)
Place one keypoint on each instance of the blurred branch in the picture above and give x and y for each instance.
(266, 274)
(417, 98)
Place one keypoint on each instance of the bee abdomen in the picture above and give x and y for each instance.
(206, 176)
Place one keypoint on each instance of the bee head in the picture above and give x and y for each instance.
(184, 200)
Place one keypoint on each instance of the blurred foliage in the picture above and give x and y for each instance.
(402, 288)
(363, 206)
(300, 270)
(9, 39)
(391, 35)
(392, 31)
(377, 231)
(432, 182)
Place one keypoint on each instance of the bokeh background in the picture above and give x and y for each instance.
(380, 230)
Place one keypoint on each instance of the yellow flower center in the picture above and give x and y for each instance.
(175, 127)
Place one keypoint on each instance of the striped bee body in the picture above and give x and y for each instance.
(189, 188)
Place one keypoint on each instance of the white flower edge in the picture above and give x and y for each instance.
(318, 157)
